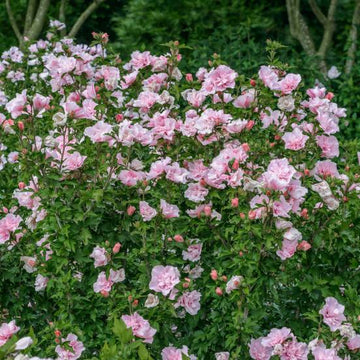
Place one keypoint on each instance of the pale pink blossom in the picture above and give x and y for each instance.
(164, 279)
(276, 336)
(97, 132)
(329, 145)
(77, 347)
(258, 351)
(289, 83)
(354, 343)
(41, 282)
(279, 174)
(295, 140)
(100, 256)
(190, 301)
(333, 313)
(196, 192)
(73, 161)
(219, 79)
(321, 353)
(7, 330)
(234, 283)
(192, 253)
(146, 211)
(140, 327)
(294, 350)
(168, 210)
(224, 355)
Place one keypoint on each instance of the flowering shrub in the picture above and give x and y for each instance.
(148, 213)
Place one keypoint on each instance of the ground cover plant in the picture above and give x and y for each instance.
(151, 214)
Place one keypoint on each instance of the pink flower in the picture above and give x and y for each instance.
(222, 356)
(289, 244)
(295, 140)
(294, 350)
(258, 351)
(140, 327)
(270, 78)
(192, 253)
(139, 60)
(245, 100)
(41, 282)
(7, 330)
(40, 102)
(99, 254)
(73, 161)
(16, 106)
(196, 192)
(321, 353)
(190, 301)
(329, 145)
(97, 132)
(289, 83)
(77, 347)
(276, 336)
(326, 168)
(169, 211)
(278, 174)
(171, 353)
(146, 100)
(333, 313)
(354, 343)
(219, 79)
(146, 211)
(281, 208)
(102, 284)
(131, 177)
(164, 279)
(233, 283)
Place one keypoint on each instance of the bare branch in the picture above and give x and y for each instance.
(30, 12)
(353, 38)
(39, 20)
(328, 30)
(317, 11)
(82, 18)
(298, 27)
(62, 15)
(13, 23)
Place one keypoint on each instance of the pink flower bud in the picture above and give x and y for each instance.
(246, 147)
(235, 202)
(207, 210)
(130, 210)
(116, 248)
(224, 278)
(119, 117)
(21, 185)
(189, 77)
(242, 215)
(185, 285)
(329, 95)
(252, 82)
(20, 125)
(304, 245)
(5, 210)
(178, 238)
(218, 291)
(214, 274)
(104, 293)
(250, 124)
